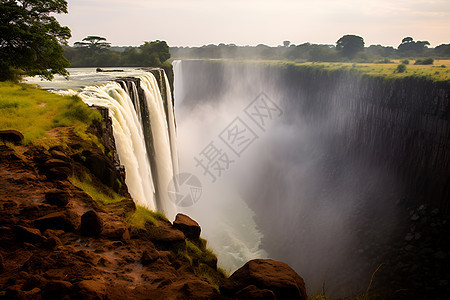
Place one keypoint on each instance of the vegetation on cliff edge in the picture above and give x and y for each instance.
(34, 112)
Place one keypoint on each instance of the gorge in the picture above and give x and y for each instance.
(349, 171)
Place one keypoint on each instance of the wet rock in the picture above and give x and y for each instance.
(189, 227)
(266, 274)
(58, 220)
(12, 136)
(58, 198)
(252, 293)
(26, 234)
(91, 224)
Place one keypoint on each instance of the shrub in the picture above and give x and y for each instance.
(400, 68)
(425, 61)
(405, 62)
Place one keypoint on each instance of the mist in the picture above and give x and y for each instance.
(301, 192)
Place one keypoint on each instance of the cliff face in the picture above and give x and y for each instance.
(355, 173)
(401, 124)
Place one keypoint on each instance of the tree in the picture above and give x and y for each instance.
(94, 43)
(154, 53)
(409, 45)
(286, 43)
(349, 45)
(31, 38)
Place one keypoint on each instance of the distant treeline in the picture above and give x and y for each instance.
(95, 51)
(354, 50)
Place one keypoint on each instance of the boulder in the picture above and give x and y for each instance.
(58, 220)
(58, 198)
(165, 233)
(266, 274)
(29, 235)
(91, 224)
(116, 230)
(92, 289)
(56, 169)
(149, 256)
(12, 136)
(189, 227)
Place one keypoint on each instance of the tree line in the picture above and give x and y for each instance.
(347, 48)
(95, 51)
(32, 42)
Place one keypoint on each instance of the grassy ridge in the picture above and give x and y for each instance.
(439, 71)
(33, 111)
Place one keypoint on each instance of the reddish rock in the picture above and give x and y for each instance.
(149, 256)
(57, 154)
(91, 225)
(116, 230)
(164, 233)
(253, 293)
(52, 242)
(56, 169)
(189, 289)
(58, 198)
(267, 274)
(58, 220)
(12, 136)
(26, 234)
(92, 289)
(189, 227)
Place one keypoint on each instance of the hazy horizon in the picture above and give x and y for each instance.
(201, 22)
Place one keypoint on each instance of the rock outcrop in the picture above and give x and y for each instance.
(12, 136)
(189, 227)
(57, 242)
(262, 278)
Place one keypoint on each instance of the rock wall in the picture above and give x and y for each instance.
(355, 173)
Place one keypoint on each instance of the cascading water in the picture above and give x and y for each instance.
(145, 137)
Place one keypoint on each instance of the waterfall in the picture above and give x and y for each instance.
(145, 137)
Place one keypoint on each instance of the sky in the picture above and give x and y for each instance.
(253, 22)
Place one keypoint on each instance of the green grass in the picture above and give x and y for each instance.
(439, 71)
(33, 111)
(142, 215)
(203, 261)
(98, 192)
